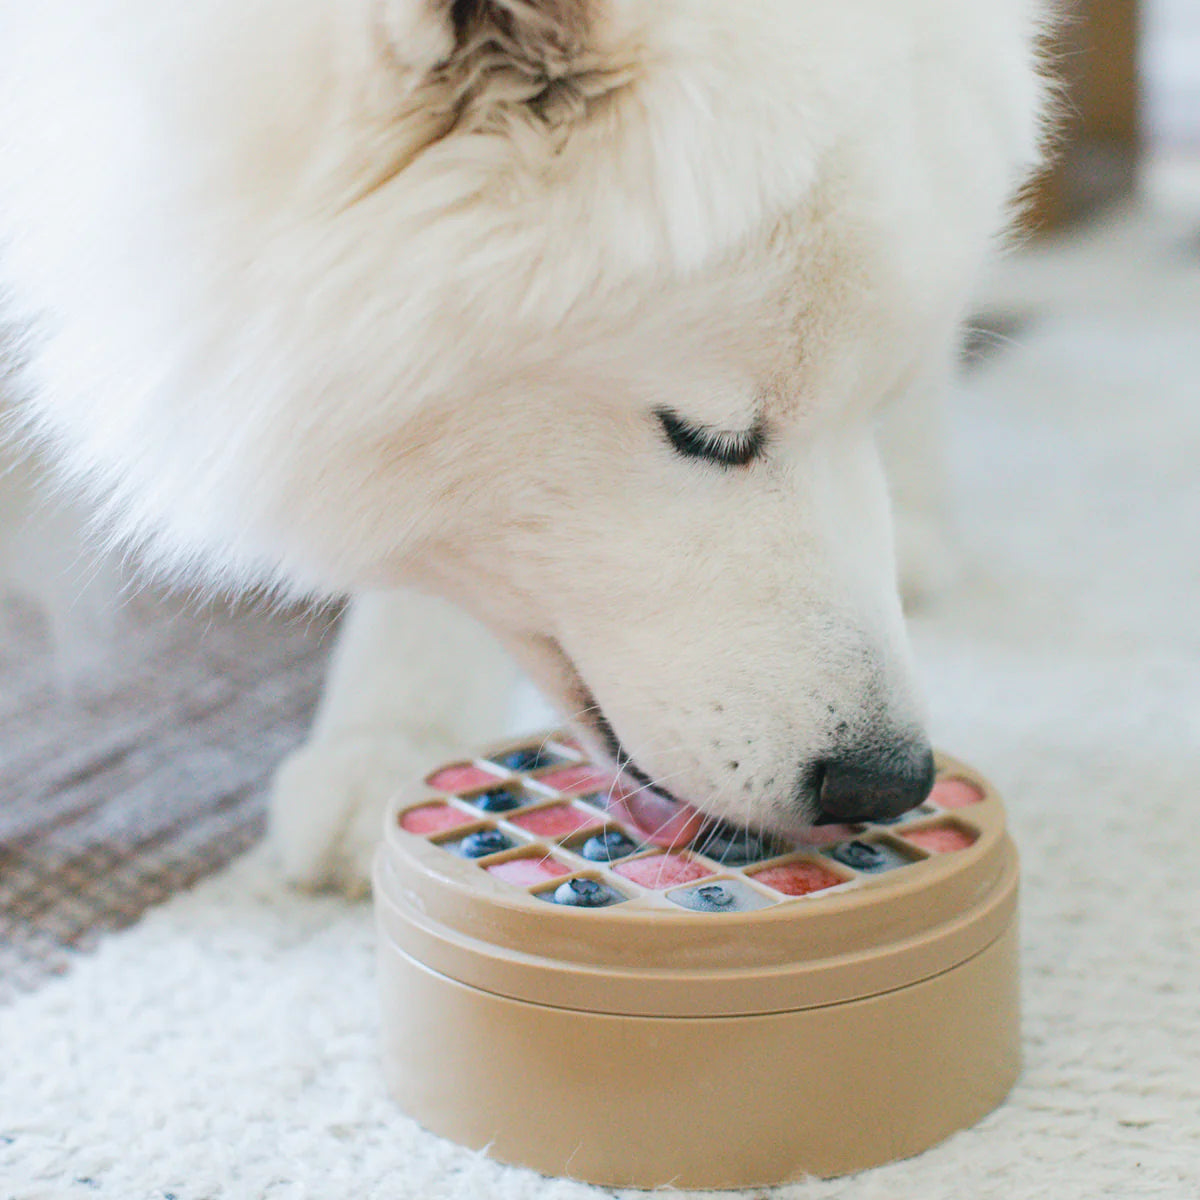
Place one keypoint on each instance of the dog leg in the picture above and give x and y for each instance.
(46, 555)
(412, 680)
(916, 456)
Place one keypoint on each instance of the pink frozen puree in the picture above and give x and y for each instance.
(941, 839)
(955, 793)
(461, 777)
(432, 818)
(556, 821)
(526, 871)
(662, 870)
(578, 779)
(798, 878)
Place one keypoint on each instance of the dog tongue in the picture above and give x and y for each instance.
(661, 822)
(673, 823)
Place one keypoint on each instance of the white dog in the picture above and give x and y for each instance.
(578, 316)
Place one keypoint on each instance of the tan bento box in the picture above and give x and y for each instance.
(743, 1011)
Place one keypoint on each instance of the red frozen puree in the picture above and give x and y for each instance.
(798, 878)
(433, 818)
(955, 793)
(526, 871)
(556, 821)
(941, 839)
(461, 777)
(662, 870)
(578, 779)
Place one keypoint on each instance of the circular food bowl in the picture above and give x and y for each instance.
(743, 1011)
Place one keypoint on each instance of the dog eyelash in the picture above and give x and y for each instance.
(725, 449)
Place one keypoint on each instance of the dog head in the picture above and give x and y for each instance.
(580, 312)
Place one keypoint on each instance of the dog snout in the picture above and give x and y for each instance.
(874, 784)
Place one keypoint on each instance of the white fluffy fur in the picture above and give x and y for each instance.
(321, 295)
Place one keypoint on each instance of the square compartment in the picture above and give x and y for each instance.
(482, 843)
(718, 896)
(527, 870)
(598, 800)
(502, 798)
(943, 838)
(435, 817)
(578, 779)
(799, 877)
(555, 821)
(536, 756)
(460, 777)
(733, 846)
(582, 893)
(605, 846)
(661, 871)
(869, 857)
(954, 792)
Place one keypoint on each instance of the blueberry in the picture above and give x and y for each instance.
(483, 843)
(735, 844)
(726, 896)
(607, 846)
(528, 758)
(860, 855)
(584, 893)
(497, 800)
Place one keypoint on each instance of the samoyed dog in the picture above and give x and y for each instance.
(559, 332)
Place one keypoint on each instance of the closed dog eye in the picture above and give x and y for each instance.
(736, 448)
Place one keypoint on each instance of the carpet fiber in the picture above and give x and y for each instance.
(148, 776)
(225, 1046)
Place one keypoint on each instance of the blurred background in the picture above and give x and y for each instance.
(1132, 75)
(138, 731)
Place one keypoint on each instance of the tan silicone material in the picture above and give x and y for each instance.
(726, 1102)
(645, 1043)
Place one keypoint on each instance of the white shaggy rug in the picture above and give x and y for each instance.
(226, 1046)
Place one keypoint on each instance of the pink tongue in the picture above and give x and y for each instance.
(824, 835)
(664, 822)
(661, 821)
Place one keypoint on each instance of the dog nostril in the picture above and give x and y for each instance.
(872, 786)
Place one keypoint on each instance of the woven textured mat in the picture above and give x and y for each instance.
(152, 777)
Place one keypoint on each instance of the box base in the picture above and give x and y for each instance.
(723, 1102)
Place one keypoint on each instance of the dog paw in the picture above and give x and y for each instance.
(927, 560)
(327, 804)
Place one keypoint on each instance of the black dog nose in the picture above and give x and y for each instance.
(873, 785)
